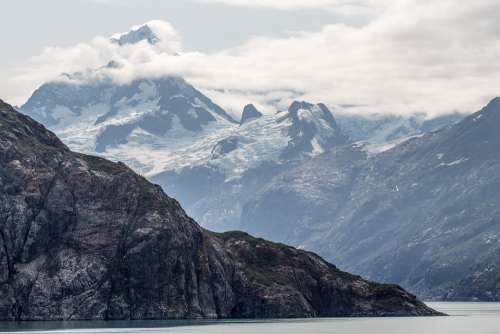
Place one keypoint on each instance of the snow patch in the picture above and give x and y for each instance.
(477, 118)
(453, 163)
(317, 148)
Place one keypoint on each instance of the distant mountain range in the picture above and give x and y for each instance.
(406, 199)
(172, 133)
(424, 213)
(169, 131)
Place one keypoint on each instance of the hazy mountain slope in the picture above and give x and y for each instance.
(85, 238)
(424, 214)
(378, 128)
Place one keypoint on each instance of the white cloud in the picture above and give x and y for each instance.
(413, 56)
(348, 9)
(291, 4)
(104, 2)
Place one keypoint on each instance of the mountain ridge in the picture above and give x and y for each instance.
(422, 213)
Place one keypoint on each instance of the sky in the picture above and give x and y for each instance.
(361, 56)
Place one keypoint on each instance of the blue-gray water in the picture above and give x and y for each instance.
(473, 318)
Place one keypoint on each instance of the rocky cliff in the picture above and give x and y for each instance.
(85, 238)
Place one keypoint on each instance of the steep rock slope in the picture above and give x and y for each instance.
(85, 238)
(423, 214)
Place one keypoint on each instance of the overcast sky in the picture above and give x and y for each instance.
(400, 56)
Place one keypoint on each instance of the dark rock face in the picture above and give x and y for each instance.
(85, 238)
(313, 128)
(423, 214)
(249, 113)
(295, 283)
(225, 146)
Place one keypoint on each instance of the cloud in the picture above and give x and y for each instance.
(292, 4)
(54, 61)
(413, 56)
(105, 2)
(354, 10)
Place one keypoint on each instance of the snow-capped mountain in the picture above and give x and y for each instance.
(220, 170)
(110, 119)
(172, 133)
(158, 125)
(165, 124)
(136, 35)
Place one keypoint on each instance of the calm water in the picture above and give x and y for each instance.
(474, 318)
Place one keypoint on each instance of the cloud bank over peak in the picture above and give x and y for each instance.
(414, 56)
(138, 47)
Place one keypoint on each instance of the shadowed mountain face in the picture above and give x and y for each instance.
(85, 238)
(424, 214)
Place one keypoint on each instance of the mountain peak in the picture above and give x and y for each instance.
(136, 35)
(249, 113)
(493, 105)
(3, 104)
(313, 130)
(312, 112)
(297, 105)
(488, 117)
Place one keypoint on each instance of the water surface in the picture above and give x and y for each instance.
(465, 318)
